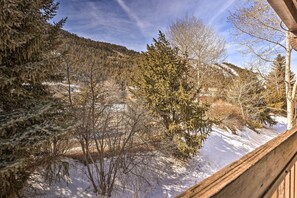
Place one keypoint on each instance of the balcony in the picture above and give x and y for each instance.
(269, 171)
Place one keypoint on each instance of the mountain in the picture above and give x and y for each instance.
(231, 70)
(72, 38)
(115, 62)
(109, 59)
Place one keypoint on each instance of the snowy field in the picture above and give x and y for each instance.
(171, 177)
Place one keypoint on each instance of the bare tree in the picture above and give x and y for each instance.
(247, 92)
(201, 43)
(258, 28)
(111, 135)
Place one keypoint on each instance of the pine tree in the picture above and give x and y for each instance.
(275, 94)
(29, 115)
(257, 109)
(162, 82)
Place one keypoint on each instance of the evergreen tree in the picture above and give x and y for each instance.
(162, 82)
(275, 94)
(29, 115)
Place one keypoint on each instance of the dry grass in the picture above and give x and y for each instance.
(227, 115)
(75, 151)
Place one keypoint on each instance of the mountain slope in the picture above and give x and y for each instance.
(110, 60)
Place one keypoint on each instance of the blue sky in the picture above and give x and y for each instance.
(133, 23)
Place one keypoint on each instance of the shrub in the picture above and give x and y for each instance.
(226, 115)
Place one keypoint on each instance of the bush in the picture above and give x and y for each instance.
(226, 115)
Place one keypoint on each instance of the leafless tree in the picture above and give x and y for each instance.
(201, 43)
(258, 28)
(115, 138)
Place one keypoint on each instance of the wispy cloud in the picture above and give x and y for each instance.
(132, 15)
(223, 8)
(135, 23)
(276, 47)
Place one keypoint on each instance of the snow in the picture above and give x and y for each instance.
(74, 88)
(76, 186)
(220, 149)
(227, 68)
(172, 177)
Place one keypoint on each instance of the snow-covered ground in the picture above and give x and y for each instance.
(173, 177)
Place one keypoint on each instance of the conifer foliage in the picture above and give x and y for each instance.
(162, 82)
(29, 115)
(275, 94)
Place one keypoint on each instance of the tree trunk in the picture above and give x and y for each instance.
(69, 83)
(290, 114)
(290, 94)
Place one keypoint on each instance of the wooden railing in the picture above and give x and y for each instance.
(286, 184)
(269, 171)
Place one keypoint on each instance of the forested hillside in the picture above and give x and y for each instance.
(114, 60)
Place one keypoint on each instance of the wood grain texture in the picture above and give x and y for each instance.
(287, 186)
(275, 194)
(281, 190)
(292, 183)
(295, 180)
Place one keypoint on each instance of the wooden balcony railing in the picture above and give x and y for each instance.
(269, 171)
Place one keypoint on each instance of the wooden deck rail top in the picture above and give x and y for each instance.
(257, 174)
